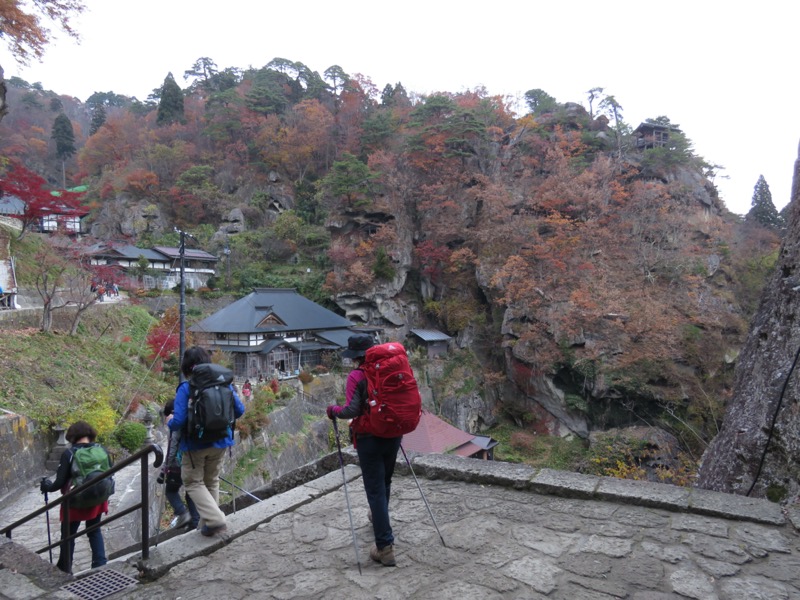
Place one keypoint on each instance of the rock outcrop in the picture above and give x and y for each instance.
(757, 451)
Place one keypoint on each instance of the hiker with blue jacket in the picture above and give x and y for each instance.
(80, 435)
(201, 462)
(376, 455)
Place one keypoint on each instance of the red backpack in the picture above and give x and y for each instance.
(393, 404)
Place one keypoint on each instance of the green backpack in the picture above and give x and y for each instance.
(89, 462)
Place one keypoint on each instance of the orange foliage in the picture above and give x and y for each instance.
(141, 183)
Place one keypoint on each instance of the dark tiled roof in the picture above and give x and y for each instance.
(431, 335)
(338, 336)
(129, 252)
(175, 253)
(11, 205)
(265, 348)
(295, 311)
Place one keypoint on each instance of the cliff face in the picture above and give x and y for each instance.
(757, 452)
(596, 294)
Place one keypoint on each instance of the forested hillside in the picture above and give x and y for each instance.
(593, 277)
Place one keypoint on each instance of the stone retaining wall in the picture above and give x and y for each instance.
(21, 439)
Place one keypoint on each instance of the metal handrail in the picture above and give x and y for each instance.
(143, 503)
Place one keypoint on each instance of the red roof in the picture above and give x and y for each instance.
(434, 436)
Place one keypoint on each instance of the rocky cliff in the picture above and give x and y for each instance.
(757, 452)
(593, 297)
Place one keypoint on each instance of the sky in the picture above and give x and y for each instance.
(723, 71)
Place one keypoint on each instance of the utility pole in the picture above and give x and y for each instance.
(182, 311)
(227, 252)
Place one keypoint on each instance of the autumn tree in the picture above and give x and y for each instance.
(64, 137)
(298, 141)
(762, 209)
(170, 105)
(22, 30)
(37, 201)
(49, 277)
(114, 144)
(76, 289)
(163, 339)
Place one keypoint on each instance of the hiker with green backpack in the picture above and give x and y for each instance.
(83, 460)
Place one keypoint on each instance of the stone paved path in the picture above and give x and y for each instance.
(502, 543)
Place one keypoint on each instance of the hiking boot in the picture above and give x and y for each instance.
(209, 531)
(183, 520)
(385, 555)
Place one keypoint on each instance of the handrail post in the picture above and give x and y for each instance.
(66, 531)
(145, 509)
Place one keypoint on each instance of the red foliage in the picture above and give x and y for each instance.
(37, 201)
(162, 343)
(432, 258)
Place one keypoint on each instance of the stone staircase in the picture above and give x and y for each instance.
(26, 574)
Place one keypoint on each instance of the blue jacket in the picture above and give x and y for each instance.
(181, 414)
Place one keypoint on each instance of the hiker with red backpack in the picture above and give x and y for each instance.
(383, 400)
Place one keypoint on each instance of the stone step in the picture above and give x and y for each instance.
(26, 575)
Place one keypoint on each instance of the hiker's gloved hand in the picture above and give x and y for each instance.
(333, 411)
(45, 485)
(162, 476)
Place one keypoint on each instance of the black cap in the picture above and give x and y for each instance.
(357, 345)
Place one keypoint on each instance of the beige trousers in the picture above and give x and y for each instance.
(200, 471)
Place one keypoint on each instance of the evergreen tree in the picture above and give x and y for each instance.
(170, 105)
(762, 209)
(98, 118)
(64, 138)
(383, 268)
(540, 102)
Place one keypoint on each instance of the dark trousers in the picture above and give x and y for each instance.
(377, 457)
(67, 549)
(173, 494)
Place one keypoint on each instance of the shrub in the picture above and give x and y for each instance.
(305, 377)
(256, 416)
(130, 435)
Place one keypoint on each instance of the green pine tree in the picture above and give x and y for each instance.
(383, 268)
(170, 105)
(64, 137)
(98, 118)
(762, 209)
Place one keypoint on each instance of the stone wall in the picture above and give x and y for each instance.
(296, 435)
(22, 440)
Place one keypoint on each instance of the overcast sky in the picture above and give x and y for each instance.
(724, 71)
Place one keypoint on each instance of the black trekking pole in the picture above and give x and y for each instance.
(47, 517)
(430, 512)
(230, 483)
(346, 495)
